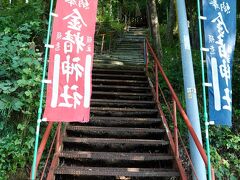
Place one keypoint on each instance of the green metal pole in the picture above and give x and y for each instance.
(42, 94)
(204, 94)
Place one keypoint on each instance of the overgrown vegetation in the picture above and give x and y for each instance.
(20, 74)
(22, 33)
(224, 141)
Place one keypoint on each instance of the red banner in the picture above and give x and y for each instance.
(69, 86)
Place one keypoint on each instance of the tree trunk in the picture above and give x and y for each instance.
(149, 20)
(171, 21)
(110, 9)
(155, 27)
(120, 12)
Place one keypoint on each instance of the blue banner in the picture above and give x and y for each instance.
(220, 37)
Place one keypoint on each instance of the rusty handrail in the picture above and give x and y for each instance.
(49, 154)
(56, 154)
(44, 142)
(179, 106)
(176, 130)
(187, 154)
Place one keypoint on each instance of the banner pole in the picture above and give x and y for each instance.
(33, 174)
(204, 94)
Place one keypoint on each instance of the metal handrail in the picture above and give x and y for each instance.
(187, 154)
(177, 134)
(49, 154)
(158, 68)
(44, 141)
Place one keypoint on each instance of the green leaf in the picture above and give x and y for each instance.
(21, 127)
(1, 125)
(233, 177)
(22, 82)
(2, 105)
(32, 130)
(27, 71)
(28, 93)
(17, 105)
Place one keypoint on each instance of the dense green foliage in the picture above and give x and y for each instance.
(22, 32)
(20, 74)
(225, 142)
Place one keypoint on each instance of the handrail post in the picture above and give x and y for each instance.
(175, 127)
(56, 154)
(43, 144)
(213, 174)
(145, 51)
(146, 54)
(156, 83)
(110, 41)
(102, 45)
(58, 137)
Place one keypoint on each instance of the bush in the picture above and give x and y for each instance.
(225, 142)
(16, 152)
(225, 147)
(20, 77)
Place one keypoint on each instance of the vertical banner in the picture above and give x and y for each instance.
(220, 37)
(70, 61)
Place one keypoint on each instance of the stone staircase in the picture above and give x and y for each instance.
(129, 50)
(124, 138)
